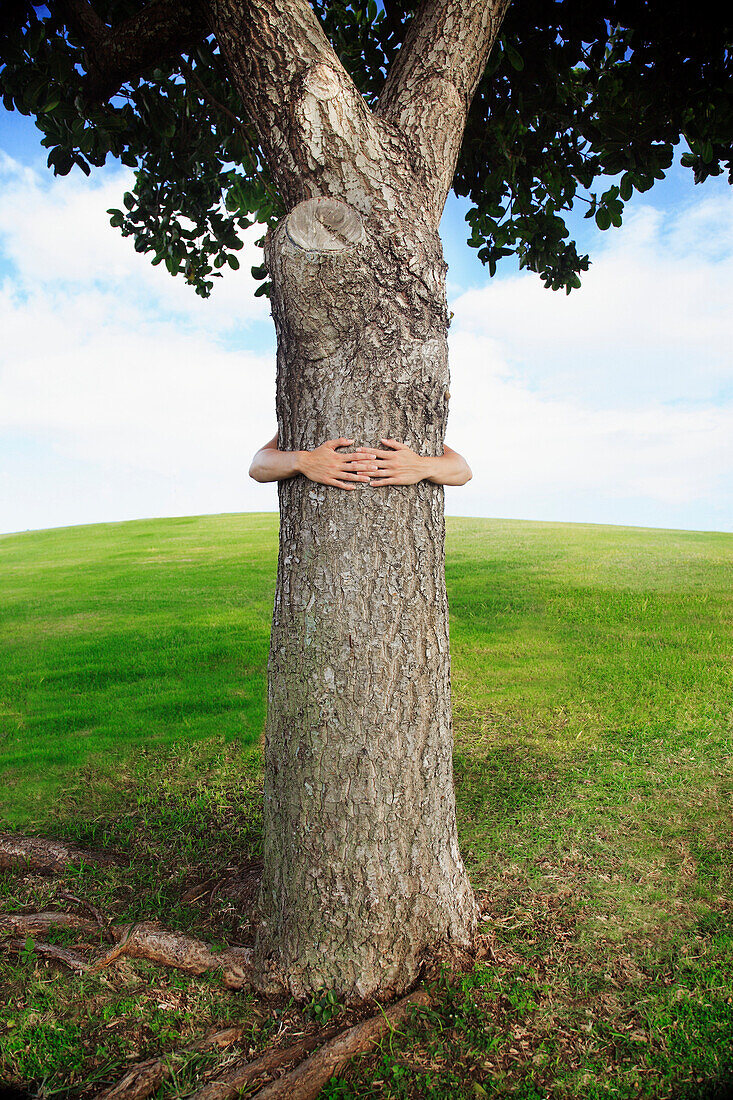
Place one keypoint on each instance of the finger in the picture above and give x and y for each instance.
(384, 454)
(384, 481)
(360, 467)
(362, 452)
(345, 475)
(338, 442)
(341, 484)
(392, 443)
(356, 461)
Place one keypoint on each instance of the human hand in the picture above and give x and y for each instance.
(326, 466)
(400, 465)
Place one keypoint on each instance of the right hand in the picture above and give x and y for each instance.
(326, 467)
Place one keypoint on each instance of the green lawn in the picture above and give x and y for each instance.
(593, 696)
(118, 636)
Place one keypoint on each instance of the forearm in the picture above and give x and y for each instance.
(272, 465)
(447, 469)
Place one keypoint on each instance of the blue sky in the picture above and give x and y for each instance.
(123, 395)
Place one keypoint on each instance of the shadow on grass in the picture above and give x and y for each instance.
(502, 782)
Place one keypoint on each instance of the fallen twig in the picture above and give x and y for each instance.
(99, 917)
(143, 1079)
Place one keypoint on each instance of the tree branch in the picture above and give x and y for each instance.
(83, 20)
(190, 75)
(161, 30)
(308, 116)
(433, 79)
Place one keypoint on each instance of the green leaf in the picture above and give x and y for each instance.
(233, 262)
(603, 218)
(515, 60)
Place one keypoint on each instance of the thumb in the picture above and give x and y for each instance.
(342, 442)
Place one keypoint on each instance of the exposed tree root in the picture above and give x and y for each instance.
(146, 940)
(315, 1058)
(306, 1080)
(143, 1079)
(39, 924)
(36, 854)
(70, 958)
(150, 941)
(242, 1073)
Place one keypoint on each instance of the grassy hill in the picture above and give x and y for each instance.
(593, 697)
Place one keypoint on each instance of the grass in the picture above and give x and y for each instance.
(98, 658)
(592, 678)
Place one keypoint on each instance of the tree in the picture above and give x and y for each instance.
(342, 127)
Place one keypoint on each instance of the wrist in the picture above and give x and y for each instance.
(431, 467)
(300, 459)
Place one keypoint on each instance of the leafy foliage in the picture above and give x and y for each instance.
(579, 102)
(577, 93)
(200, 177)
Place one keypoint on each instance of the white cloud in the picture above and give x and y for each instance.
(133, 398)
(552, 458)
(56, 232)
(652, 320)
(121, 394)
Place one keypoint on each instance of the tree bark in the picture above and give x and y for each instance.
(362, 871)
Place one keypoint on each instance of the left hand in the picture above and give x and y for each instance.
(399, 465)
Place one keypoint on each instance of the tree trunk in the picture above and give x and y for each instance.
(362, 869)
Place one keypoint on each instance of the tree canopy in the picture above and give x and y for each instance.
(580, 103)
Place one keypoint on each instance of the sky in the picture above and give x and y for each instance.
(123, 395)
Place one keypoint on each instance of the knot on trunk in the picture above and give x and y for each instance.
(322, 81)
(324, 225)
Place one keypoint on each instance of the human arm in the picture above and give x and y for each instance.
(323, 464)
(402, 466)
